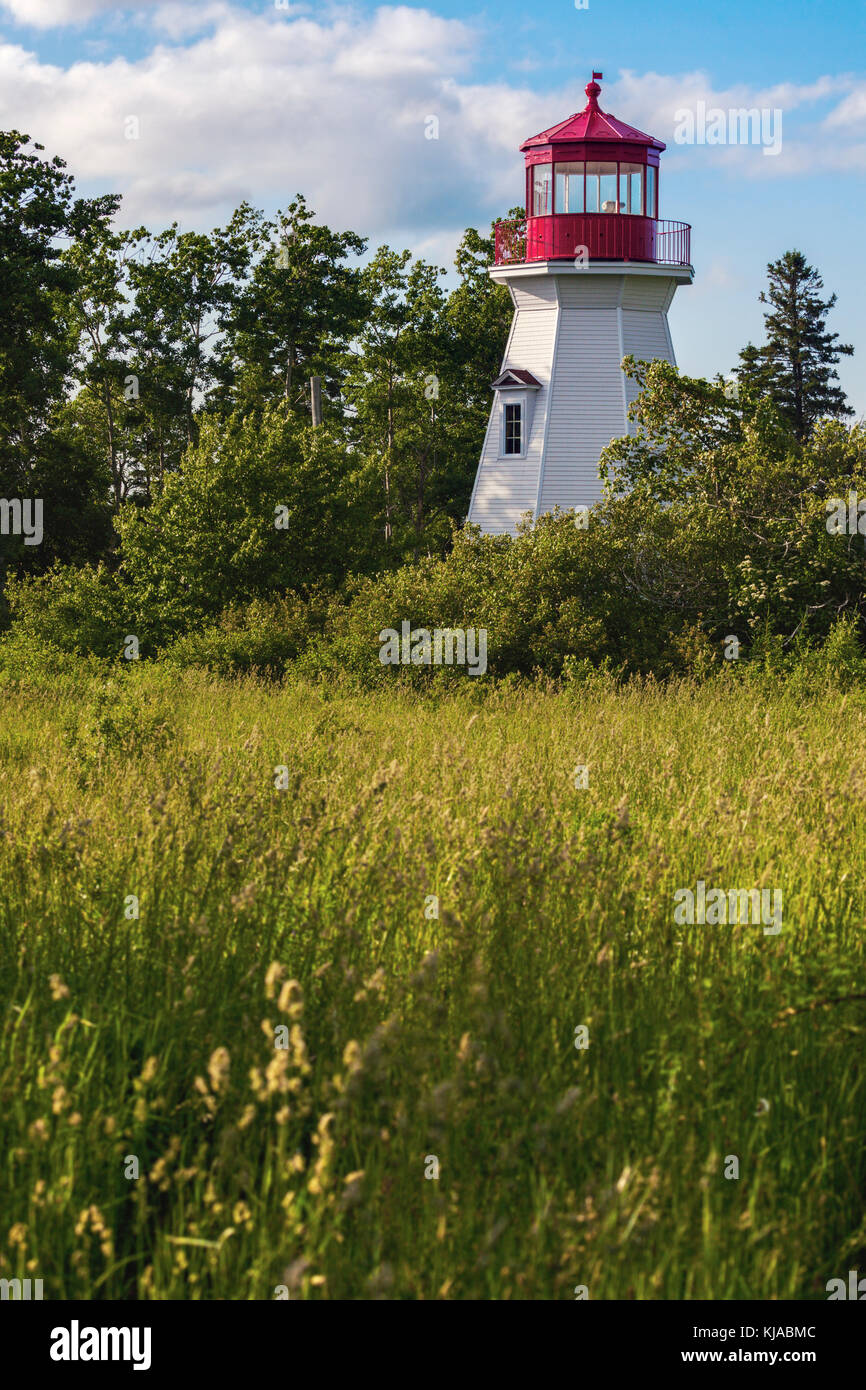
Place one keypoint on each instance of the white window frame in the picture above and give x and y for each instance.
(510, 395)
(519, 405)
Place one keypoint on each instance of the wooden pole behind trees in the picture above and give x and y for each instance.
(316, 400)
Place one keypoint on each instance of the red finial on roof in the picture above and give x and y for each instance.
(590, 124)
(592, 90)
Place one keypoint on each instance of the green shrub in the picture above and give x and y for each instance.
(547, 599)
(25, 660)
(260, 637)
(71, 609)
(258, 510)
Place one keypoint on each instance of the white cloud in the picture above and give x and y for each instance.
(850, 112)
(264, 106)
(53, 14)
(334, 103)
(720, 274)
(180, 19)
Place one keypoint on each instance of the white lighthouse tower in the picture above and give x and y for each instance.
(591, 276)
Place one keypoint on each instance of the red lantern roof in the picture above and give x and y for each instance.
(591, 124)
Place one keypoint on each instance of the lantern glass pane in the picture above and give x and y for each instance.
(569, 188)
(631, 189)
(601, 182)
(651, 210)
(542, 190)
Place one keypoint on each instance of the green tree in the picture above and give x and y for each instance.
(725, 508)
(99, 303)
(294, 318)
(259, 509)
(393, 386)
(797, 364)
(418, 387)
(184, 286)
(38, 339)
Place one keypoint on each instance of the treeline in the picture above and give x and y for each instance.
(154, 392)
(726, 544)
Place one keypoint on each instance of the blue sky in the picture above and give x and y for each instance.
(241, 99)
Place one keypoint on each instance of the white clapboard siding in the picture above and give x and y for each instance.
(646, 292)
(645, 335)
(587, 407)
(506, 488)
(535, 293)
(588, 291)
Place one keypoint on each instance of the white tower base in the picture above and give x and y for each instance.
(572, 327)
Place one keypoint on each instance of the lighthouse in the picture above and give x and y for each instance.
(591, 274)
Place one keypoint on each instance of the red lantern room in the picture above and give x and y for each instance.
(592, 186)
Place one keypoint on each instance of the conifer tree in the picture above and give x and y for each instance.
(796, 366)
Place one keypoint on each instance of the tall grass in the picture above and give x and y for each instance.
(414, 1038)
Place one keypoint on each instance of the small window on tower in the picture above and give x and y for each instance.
(513, 429)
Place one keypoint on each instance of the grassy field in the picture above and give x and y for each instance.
(151, 1043)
